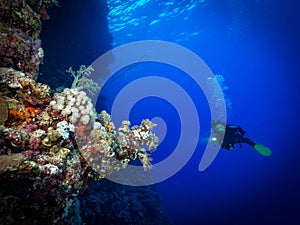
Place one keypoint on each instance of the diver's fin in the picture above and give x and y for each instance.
(263, 150)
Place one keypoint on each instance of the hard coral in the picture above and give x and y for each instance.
(50, 144)
(73, 105)
(3, 110)
(19, 51)
(10, 162)
(20, 27)
(16, 82)
(9, 77)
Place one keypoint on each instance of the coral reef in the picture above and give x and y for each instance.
(106, 202)
(108, 150)
(3, 110)
(74, 105)
(51, 145)
(20, 28)
(10, 162)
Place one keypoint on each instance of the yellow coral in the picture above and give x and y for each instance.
(109, 127)
(30, 87)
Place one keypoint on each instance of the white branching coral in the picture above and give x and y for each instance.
(64, 129)
(130, 142)
(74, 105)
(10, 77)
(109, 150)
(133, 140)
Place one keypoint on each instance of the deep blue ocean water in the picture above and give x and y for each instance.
(255, 46)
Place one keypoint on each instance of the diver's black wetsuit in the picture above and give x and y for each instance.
(234, 134)
(229, 135)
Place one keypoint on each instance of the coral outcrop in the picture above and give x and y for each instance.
(49, 143)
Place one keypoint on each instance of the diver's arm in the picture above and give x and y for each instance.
(241, 130)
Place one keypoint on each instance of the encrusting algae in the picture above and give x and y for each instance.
(3, 110)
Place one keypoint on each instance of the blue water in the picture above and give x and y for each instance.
(254, 46)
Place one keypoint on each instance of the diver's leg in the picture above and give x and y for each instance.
(248, 141)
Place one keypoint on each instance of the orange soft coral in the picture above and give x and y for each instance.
(31, 112)
(109, 127)
(17, 117)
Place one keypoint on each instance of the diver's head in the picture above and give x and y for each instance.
(219, 128)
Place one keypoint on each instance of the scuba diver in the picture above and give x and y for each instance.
(229, 135)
